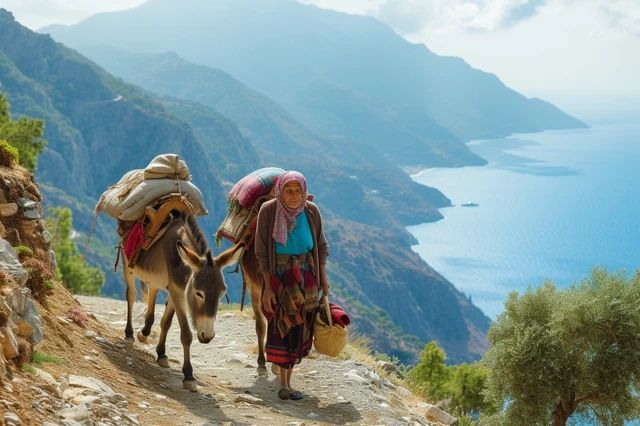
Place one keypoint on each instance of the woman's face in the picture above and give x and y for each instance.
(292, 195)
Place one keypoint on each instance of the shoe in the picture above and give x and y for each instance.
(284, 393)
(295, 395)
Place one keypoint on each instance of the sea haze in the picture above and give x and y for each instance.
(551, 205)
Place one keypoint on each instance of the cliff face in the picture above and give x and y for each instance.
(25, 274)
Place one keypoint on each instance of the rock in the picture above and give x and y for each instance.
(25, 314)
(250, 399)
(90, 334)
(69, 422)
(388, 366)
(2, 230)
(353, 375)
(51, 385)
(87, 400)
(76, 412)
(436, 414)
(89, 383)
(114, 397)
(72, 393)
(132, 418)
(31, 214)
(46, 236)
(24, 328)
(11, 419)
(8, 209)
(26, 203)
(9, 342)
(312, 415)
(9, 263)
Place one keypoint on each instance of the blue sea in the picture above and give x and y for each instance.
(551, 206)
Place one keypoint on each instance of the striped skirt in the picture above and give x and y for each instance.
(287, 350)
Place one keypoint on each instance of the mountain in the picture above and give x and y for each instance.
(341, 75)
(277, 135)
(98, 127)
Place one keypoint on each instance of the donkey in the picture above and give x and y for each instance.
(181, 263)
(251, 275)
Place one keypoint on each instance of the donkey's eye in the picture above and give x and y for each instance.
(200, 294)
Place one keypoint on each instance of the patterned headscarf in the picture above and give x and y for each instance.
(286, 217)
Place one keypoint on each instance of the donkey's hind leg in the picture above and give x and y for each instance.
(149, 293)
(261, 323)
(165, 324)
(130, 281)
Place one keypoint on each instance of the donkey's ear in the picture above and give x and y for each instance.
(188, 256)
(229, 256)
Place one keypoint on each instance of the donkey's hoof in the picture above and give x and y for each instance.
(190, 385)
(262, 370)
(141, 337)
(163, 362)
(275, 369)
(129, 339)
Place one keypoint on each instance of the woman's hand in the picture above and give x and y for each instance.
(268, 301)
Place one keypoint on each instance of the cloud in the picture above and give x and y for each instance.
(412, 16)
(623, 15)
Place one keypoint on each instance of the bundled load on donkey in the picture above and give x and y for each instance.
(245, 199)
(144, 198)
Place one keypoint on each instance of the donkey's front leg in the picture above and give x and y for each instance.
(149, 315)
(189, 382)
(130, 281)
(165, 325)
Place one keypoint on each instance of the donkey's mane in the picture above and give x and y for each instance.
(195, 235)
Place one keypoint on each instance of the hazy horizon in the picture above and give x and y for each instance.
(561, 51)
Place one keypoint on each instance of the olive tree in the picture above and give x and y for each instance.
(557, 353)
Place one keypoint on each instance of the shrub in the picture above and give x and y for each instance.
(39, 276)
(78, 317)
(24, 135)
(559, 352)
(9, 155)
(23, 252)
(40, 358)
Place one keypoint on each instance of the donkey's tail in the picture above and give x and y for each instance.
(144, 291)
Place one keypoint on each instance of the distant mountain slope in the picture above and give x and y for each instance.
(97, 127)
(279, 137)
(100, 127)
(340, 74)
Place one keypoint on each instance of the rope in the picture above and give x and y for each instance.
(93, 228)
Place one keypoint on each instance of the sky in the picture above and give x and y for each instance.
(560, 50)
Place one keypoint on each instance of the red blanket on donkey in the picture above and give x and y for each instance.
(339, 316)
(134, 240)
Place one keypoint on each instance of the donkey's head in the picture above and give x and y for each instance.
(204, 289)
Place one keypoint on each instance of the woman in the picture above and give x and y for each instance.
(292, 251)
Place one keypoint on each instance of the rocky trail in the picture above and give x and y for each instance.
(104, 380)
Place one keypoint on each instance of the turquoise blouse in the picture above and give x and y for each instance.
(299, 240)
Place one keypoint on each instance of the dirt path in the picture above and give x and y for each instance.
(232, 392)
